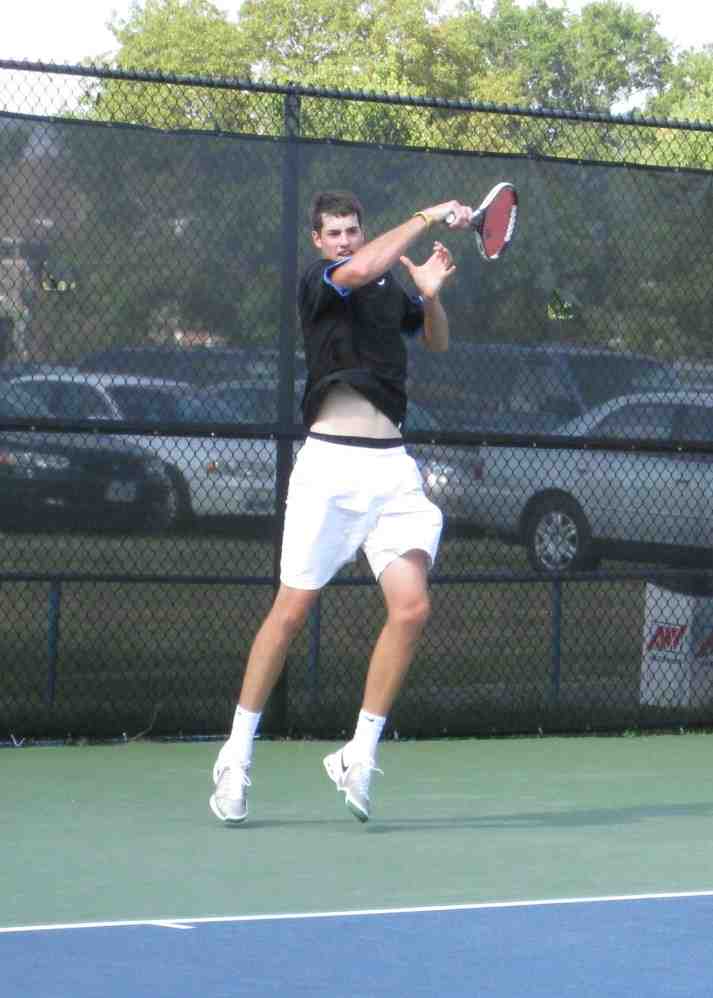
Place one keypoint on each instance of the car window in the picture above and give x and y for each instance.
(697, 423)
(638, 422)
(538, 388)
(252, 405)
(83, 401)
(17, 403)
(602, 377)
(144, 402)
(486, 374)
(70, 400)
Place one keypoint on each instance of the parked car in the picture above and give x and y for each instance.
(197, 365)
(528, 388)
(54, 479)
(208, 476)
(445, 470)
(570, 507)
(252, 401)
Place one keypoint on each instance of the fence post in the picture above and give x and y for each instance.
(315, 634)
(53, 615)
(556, 639)
(286, 391)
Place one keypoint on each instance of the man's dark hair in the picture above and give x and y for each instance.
(337, 203)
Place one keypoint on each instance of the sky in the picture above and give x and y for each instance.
(69, 31)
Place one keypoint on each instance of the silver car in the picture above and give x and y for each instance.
(568, 507)
(445, 470)
(209, 476)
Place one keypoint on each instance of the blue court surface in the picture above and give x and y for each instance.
(657, 946)
(498, 868)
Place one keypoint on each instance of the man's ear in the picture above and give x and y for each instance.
(317, 239)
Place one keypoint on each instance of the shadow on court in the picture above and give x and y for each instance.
(416, 825)
(124, 832)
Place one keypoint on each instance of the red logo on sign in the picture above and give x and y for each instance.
(667, 637)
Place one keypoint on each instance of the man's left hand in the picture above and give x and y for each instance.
(430, 276)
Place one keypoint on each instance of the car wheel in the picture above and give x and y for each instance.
(176, 506)
(558, 537)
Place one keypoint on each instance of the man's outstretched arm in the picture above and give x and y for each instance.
(380, 254)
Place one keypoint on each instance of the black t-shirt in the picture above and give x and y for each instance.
(356, 337)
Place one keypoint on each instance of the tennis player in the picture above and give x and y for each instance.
(353, 484)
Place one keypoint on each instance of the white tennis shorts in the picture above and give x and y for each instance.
(343, 497)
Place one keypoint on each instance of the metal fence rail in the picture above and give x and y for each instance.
(153, 230)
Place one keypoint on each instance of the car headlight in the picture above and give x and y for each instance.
(217, 466)
(435, 474)
(29, 460)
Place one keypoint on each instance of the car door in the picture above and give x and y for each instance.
(639, 496)
(694, 471)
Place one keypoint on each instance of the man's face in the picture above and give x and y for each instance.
(340, 236)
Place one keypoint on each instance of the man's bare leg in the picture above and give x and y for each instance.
(266, 661)
(404, 584)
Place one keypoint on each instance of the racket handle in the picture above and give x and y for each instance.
(451, 217)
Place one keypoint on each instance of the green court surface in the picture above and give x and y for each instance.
(102, 833)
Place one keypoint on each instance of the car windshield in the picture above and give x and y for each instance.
(141, 402)
(488, 375)
(601, 378)
(16, 403)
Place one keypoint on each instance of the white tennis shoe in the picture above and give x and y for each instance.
(353, 781)
(229, 801)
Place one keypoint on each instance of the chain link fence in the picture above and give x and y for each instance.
(152, 230)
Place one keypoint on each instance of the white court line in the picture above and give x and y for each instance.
(187, 923)
(164, 924)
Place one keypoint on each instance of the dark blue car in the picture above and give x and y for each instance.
(50, 479)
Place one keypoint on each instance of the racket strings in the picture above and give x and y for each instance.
(499, 224)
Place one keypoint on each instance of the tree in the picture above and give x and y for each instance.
(687, 87)
(168, 238)
(180, 37)
(591, 60)
(538, 56)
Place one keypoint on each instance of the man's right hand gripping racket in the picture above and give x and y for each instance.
(495, 221)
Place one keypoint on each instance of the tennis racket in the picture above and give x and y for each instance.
(495, 221)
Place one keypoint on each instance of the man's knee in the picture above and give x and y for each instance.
(412, 613)
(290, 616)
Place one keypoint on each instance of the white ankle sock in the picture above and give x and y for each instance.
(245, 724)
(365, 742)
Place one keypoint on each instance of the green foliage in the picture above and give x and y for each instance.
(687, 91)
(171, 240)
(553, 58)
(534, 56)
(180, 37)
(687, 95)
(144, 241)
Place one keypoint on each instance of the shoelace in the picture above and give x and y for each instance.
(233, 780)
(362, 774)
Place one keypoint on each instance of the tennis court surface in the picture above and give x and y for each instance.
(549, 866)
